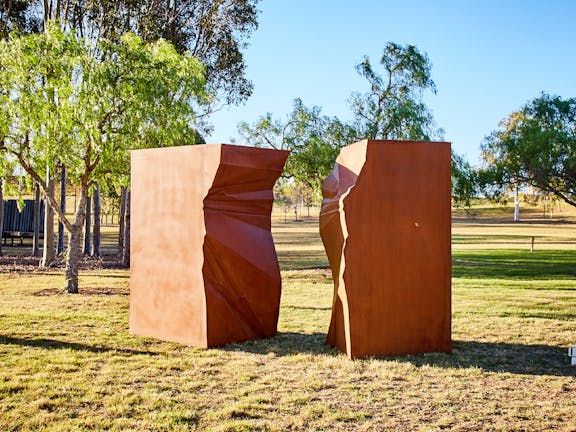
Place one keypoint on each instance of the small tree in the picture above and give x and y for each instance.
(392, 108)
(65, 106)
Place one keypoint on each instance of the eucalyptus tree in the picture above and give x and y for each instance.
(535, 146)
(214, 31)
(65, 106)
(393, 106)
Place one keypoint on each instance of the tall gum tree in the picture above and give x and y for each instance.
(214, 31)
(393, 108)
(64, 106)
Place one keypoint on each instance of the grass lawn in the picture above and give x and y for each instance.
(69, 363)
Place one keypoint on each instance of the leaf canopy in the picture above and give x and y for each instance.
(535, 146)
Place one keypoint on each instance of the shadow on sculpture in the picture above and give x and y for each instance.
(385, 224)
(204, 270)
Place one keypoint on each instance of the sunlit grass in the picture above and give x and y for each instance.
(68, 362)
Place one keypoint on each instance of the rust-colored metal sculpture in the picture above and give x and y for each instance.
(385, 223)
(204, 271)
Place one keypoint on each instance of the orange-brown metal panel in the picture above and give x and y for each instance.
(392, 278)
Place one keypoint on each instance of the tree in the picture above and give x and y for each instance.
(535, 146)
(96, 204)
(214, 31)
(60, 243)
(393, 107)
(313, 139)
(64, 106)
(464, 181)
(18, 15)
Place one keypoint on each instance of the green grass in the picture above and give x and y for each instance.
(68, 362)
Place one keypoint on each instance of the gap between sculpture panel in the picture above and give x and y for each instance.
(204, 270)
(385, 223)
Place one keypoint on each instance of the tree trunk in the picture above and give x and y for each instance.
(74, 245)
(48, 251)
(36, 223)
(60, 247)
(97, 208)
(87, 226)
(516, 204)
(121, 221)
(1, 214)
(126, 249)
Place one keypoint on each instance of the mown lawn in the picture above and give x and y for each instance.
(69, 363)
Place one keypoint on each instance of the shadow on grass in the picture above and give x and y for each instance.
(57, 344)
(488, 356)
(302, 260)
(514, 264)
(310, 308)
(285, 344)
(500, 357)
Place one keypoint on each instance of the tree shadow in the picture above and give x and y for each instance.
(515, 264)
(51, 344)
(488, 356)
(500, 357)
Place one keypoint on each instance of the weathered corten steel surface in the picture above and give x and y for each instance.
(204, 271)
(385, 223)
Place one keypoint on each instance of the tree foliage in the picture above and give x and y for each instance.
(214, 31)
(535, 146)
(313, 139)
(464, 181)
(60, 105)
(392, 108)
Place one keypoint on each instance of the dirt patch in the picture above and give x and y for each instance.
(85, 291)
(31, 264)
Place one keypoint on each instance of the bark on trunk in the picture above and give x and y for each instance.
(126, 249)
(121, 221)
(1, 214)
(48, 251)
(516, 205)
(75, 246)
(60, 247)
(88, 224)
(36, 224)
(97, 208)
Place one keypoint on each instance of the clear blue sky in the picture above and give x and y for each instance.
(488, 58)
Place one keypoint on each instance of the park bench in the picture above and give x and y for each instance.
(20, 224)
